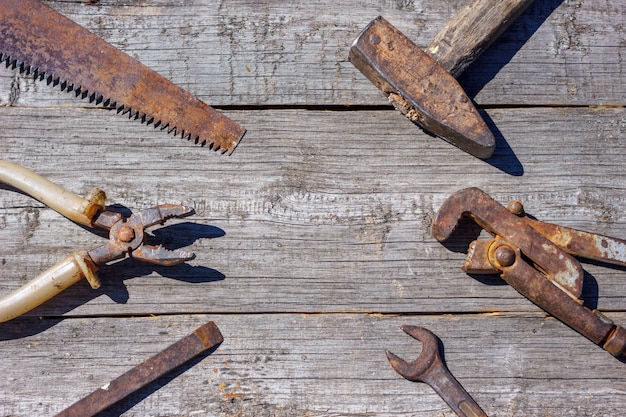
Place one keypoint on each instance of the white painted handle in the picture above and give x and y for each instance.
(70, 205)
(70, 270)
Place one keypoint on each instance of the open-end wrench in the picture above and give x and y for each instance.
(429, 368)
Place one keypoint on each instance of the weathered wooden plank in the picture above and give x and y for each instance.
(319, 212)
(311, 365)
(283, 53)
(315, 212)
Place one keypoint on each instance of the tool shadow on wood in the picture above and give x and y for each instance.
(500, 53)
(468, 231)
(504, 157)
(168, 363)
(25, 326)
(122, 406)
(114, 276)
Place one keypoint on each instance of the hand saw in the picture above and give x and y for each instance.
(42, 42)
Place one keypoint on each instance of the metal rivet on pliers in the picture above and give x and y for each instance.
(126, 238)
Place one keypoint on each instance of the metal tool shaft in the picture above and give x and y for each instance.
(534, 258)
(430, 369)
(451, 391)
(205, 337)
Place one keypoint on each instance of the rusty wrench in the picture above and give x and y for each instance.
(537, 259)
(429, 368)
(127, 237)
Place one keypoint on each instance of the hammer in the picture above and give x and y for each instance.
(422, 84)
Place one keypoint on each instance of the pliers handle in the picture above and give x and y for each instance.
(78, 209)
(126, 238)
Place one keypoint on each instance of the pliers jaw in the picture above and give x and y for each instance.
(127, 236)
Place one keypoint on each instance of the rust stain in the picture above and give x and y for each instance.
(41, 42)
(536, 259)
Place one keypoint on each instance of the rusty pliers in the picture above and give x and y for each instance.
(537, 259)
(126, 238)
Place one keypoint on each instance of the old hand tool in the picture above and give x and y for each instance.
(429, 368)
(536, 259)
(422, 85)
(126, 238)
(203, 338)
(42, 42)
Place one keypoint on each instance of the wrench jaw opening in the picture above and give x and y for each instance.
(430, 369)
(418, 369)
(459, 205)
(512, 225)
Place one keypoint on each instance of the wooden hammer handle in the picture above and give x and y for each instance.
(472, 30)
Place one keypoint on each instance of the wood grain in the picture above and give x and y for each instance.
(285, 224)
(471, 31)
(312, 239)
(280, 53)
(313, 365)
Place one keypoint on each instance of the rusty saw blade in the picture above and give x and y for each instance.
(42, 42)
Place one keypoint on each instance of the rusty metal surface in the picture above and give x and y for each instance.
(525, 256)
(430, 369)
(499, 221)
(205, 337)
(584, 244)
(40, 41)
(127, 237)
(420, 88)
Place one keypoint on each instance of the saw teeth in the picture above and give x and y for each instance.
(100, 99)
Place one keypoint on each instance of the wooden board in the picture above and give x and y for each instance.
(314, 365)
(283, 53)
(312, 240)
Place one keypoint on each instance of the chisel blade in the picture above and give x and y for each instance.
(203, 338)
(420, 88)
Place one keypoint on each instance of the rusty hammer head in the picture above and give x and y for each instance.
(420, 88)
(422, 84)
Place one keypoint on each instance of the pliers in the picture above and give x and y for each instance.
(126, 238)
